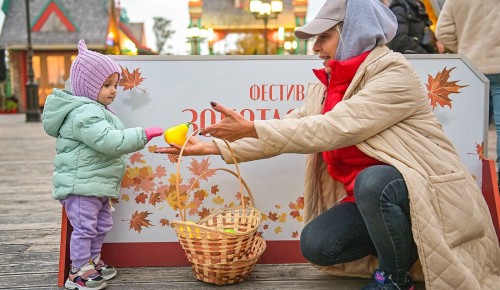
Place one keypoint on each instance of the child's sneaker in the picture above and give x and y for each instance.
(85, 278)
(106, 271)
(385, 283)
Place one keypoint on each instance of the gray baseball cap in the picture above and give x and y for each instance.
(332, 12)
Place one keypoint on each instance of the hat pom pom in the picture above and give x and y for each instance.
(82, 46)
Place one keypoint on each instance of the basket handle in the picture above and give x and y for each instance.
(182, 211)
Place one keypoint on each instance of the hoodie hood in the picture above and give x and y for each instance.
(367, 24)
(57, 106)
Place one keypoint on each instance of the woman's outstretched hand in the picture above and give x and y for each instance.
(193, 147)
(232, 127)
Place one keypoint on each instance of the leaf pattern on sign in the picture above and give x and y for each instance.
(155, 187)
(139, 220)
(439, 88)
(479, 151)
(130, 80)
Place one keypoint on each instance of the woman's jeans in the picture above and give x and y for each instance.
(378, 224)
(495, 99)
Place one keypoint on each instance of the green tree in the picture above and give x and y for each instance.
(162, 31)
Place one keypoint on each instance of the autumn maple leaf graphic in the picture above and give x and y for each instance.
(479, 151)
(139, 220)
(439, 88)
(130, 80)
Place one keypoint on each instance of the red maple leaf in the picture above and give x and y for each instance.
(294, 213)
(130, 80)
(139, 220)
(439, 88)
(295, 234)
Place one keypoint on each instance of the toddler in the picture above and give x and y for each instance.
(90, 161)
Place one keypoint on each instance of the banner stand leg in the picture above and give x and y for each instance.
(491, 193)
(64, 260)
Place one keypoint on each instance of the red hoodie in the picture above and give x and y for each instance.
(344, 164)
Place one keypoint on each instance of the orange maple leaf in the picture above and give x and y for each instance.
(203, 212)
(139, 220)
(194, 206)
(479, 151)
(141, 198)
(200, 194)
(439, 88)
(130, 80)
(137, 157)
(173, 158)
(273, 216)
(161, 171)
(154, 198)
(152, 148)
(164, 222)
(295, 234)
(198, 168)
(214, 189)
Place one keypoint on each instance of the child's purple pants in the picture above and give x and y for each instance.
(91, 219)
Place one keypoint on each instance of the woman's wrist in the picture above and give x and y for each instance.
(252, 132)
(211, 148)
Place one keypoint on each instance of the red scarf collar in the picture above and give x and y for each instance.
(342, 71)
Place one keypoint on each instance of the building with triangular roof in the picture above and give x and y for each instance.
(56, 26)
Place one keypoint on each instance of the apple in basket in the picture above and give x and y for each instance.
(231, 231)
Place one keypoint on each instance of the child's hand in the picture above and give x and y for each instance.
(152, 132)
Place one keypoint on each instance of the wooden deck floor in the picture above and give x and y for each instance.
(30, 228)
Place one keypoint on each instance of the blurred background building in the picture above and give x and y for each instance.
(256, 27)
(56, 26)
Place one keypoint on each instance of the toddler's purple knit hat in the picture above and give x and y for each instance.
(89, 71)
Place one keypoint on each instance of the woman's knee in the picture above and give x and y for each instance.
(314, 248)
(371, 181)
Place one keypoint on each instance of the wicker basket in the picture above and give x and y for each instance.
(206, 241)
(234, 272)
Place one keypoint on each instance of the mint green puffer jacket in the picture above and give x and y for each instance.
(91, 145)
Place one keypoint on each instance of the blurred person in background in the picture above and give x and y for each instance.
(472, 28)
(414, 34)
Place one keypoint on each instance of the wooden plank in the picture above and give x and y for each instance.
(263, 277)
